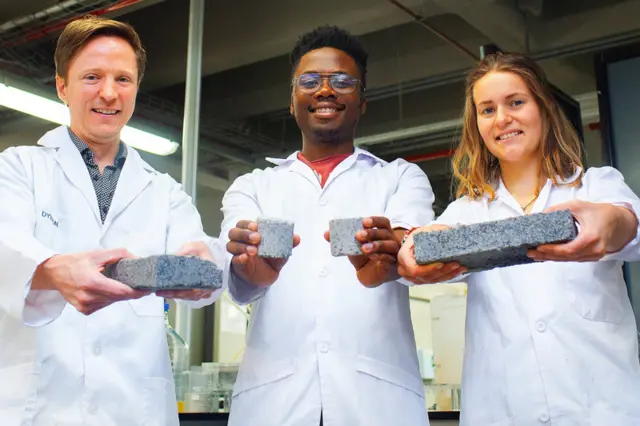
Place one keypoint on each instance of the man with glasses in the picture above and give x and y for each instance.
(330, 339)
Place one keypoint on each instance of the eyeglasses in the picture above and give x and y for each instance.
(312, 82)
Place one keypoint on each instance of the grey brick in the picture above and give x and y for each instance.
(342, 233)
(495, 244)
(276, 238)
(166, 272)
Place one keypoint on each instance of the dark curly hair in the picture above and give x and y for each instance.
(330, 36)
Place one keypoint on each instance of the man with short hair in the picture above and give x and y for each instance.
(77, 348)
(330, 340)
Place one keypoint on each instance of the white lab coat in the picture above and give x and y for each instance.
(318, 338)
(552, 342)
(57, 366)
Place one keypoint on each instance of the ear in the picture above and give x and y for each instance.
(291, 109)
(363, 106)
(61, 88)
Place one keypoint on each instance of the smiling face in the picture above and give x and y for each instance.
(508, 117)
(324, 115)
(100, 89)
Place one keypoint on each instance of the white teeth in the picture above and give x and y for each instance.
(106, 111)
(509, 135)
(323, 110)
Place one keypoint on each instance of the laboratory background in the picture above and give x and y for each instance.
(215, 102)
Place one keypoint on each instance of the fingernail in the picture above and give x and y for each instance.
(367, 247)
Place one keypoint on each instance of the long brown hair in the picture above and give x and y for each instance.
(476, 171)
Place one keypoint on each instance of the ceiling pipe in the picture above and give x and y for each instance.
(422, 21)
(588, 108)
(56, 26)
(407, 133)
(38, 16)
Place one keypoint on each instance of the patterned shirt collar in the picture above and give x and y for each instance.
(87, 154)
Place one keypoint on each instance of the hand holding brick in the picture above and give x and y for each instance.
(495, 244)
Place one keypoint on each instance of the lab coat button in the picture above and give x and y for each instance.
(322, 202)
(323, 272)
(91, 409)
(97, 350)
(541, 327)
(324, 348)
(544, 418)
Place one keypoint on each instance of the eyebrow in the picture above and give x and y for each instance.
(323, 72)
(507, 97)
(97, 70)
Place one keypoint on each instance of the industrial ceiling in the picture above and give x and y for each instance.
(419, 52)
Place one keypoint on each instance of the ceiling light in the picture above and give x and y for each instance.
(50, 110)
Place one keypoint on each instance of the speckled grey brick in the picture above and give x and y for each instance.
(342, 233)
(495, 244)
(166, 272)
(276, 238)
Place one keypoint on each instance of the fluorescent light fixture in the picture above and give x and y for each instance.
(50, 110)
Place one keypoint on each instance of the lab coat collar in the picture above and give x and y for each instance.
(294, 157)
(540, 204)
(135, 176)
(72, 165)
(293, 164)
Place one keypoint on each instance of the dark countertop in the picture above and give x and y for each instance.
(220, 419)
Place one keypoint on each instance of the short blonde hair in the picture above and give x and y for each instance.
(81, 31)
(476, 171)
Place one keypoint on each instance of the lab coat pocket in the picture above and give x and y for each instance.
(592, 292)
(253, 376)
(389, 373)
(159, 403)
(388, 394)
(147, 306)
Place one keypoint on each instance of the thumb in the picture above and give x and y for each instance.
(296, 240)
(103, 257)
(327, 236)
(198, 249)
(569, 205)
(437, 227)
(192, 248)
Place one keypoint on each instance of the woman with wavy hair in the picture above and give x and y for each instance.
(554, 341)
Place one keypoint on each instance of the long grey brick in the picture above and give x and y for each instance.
(166, 272)
(495, 244)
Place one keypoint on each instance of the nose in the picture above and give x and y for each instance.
(325, 90)
(502, 117)
(108, 90)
